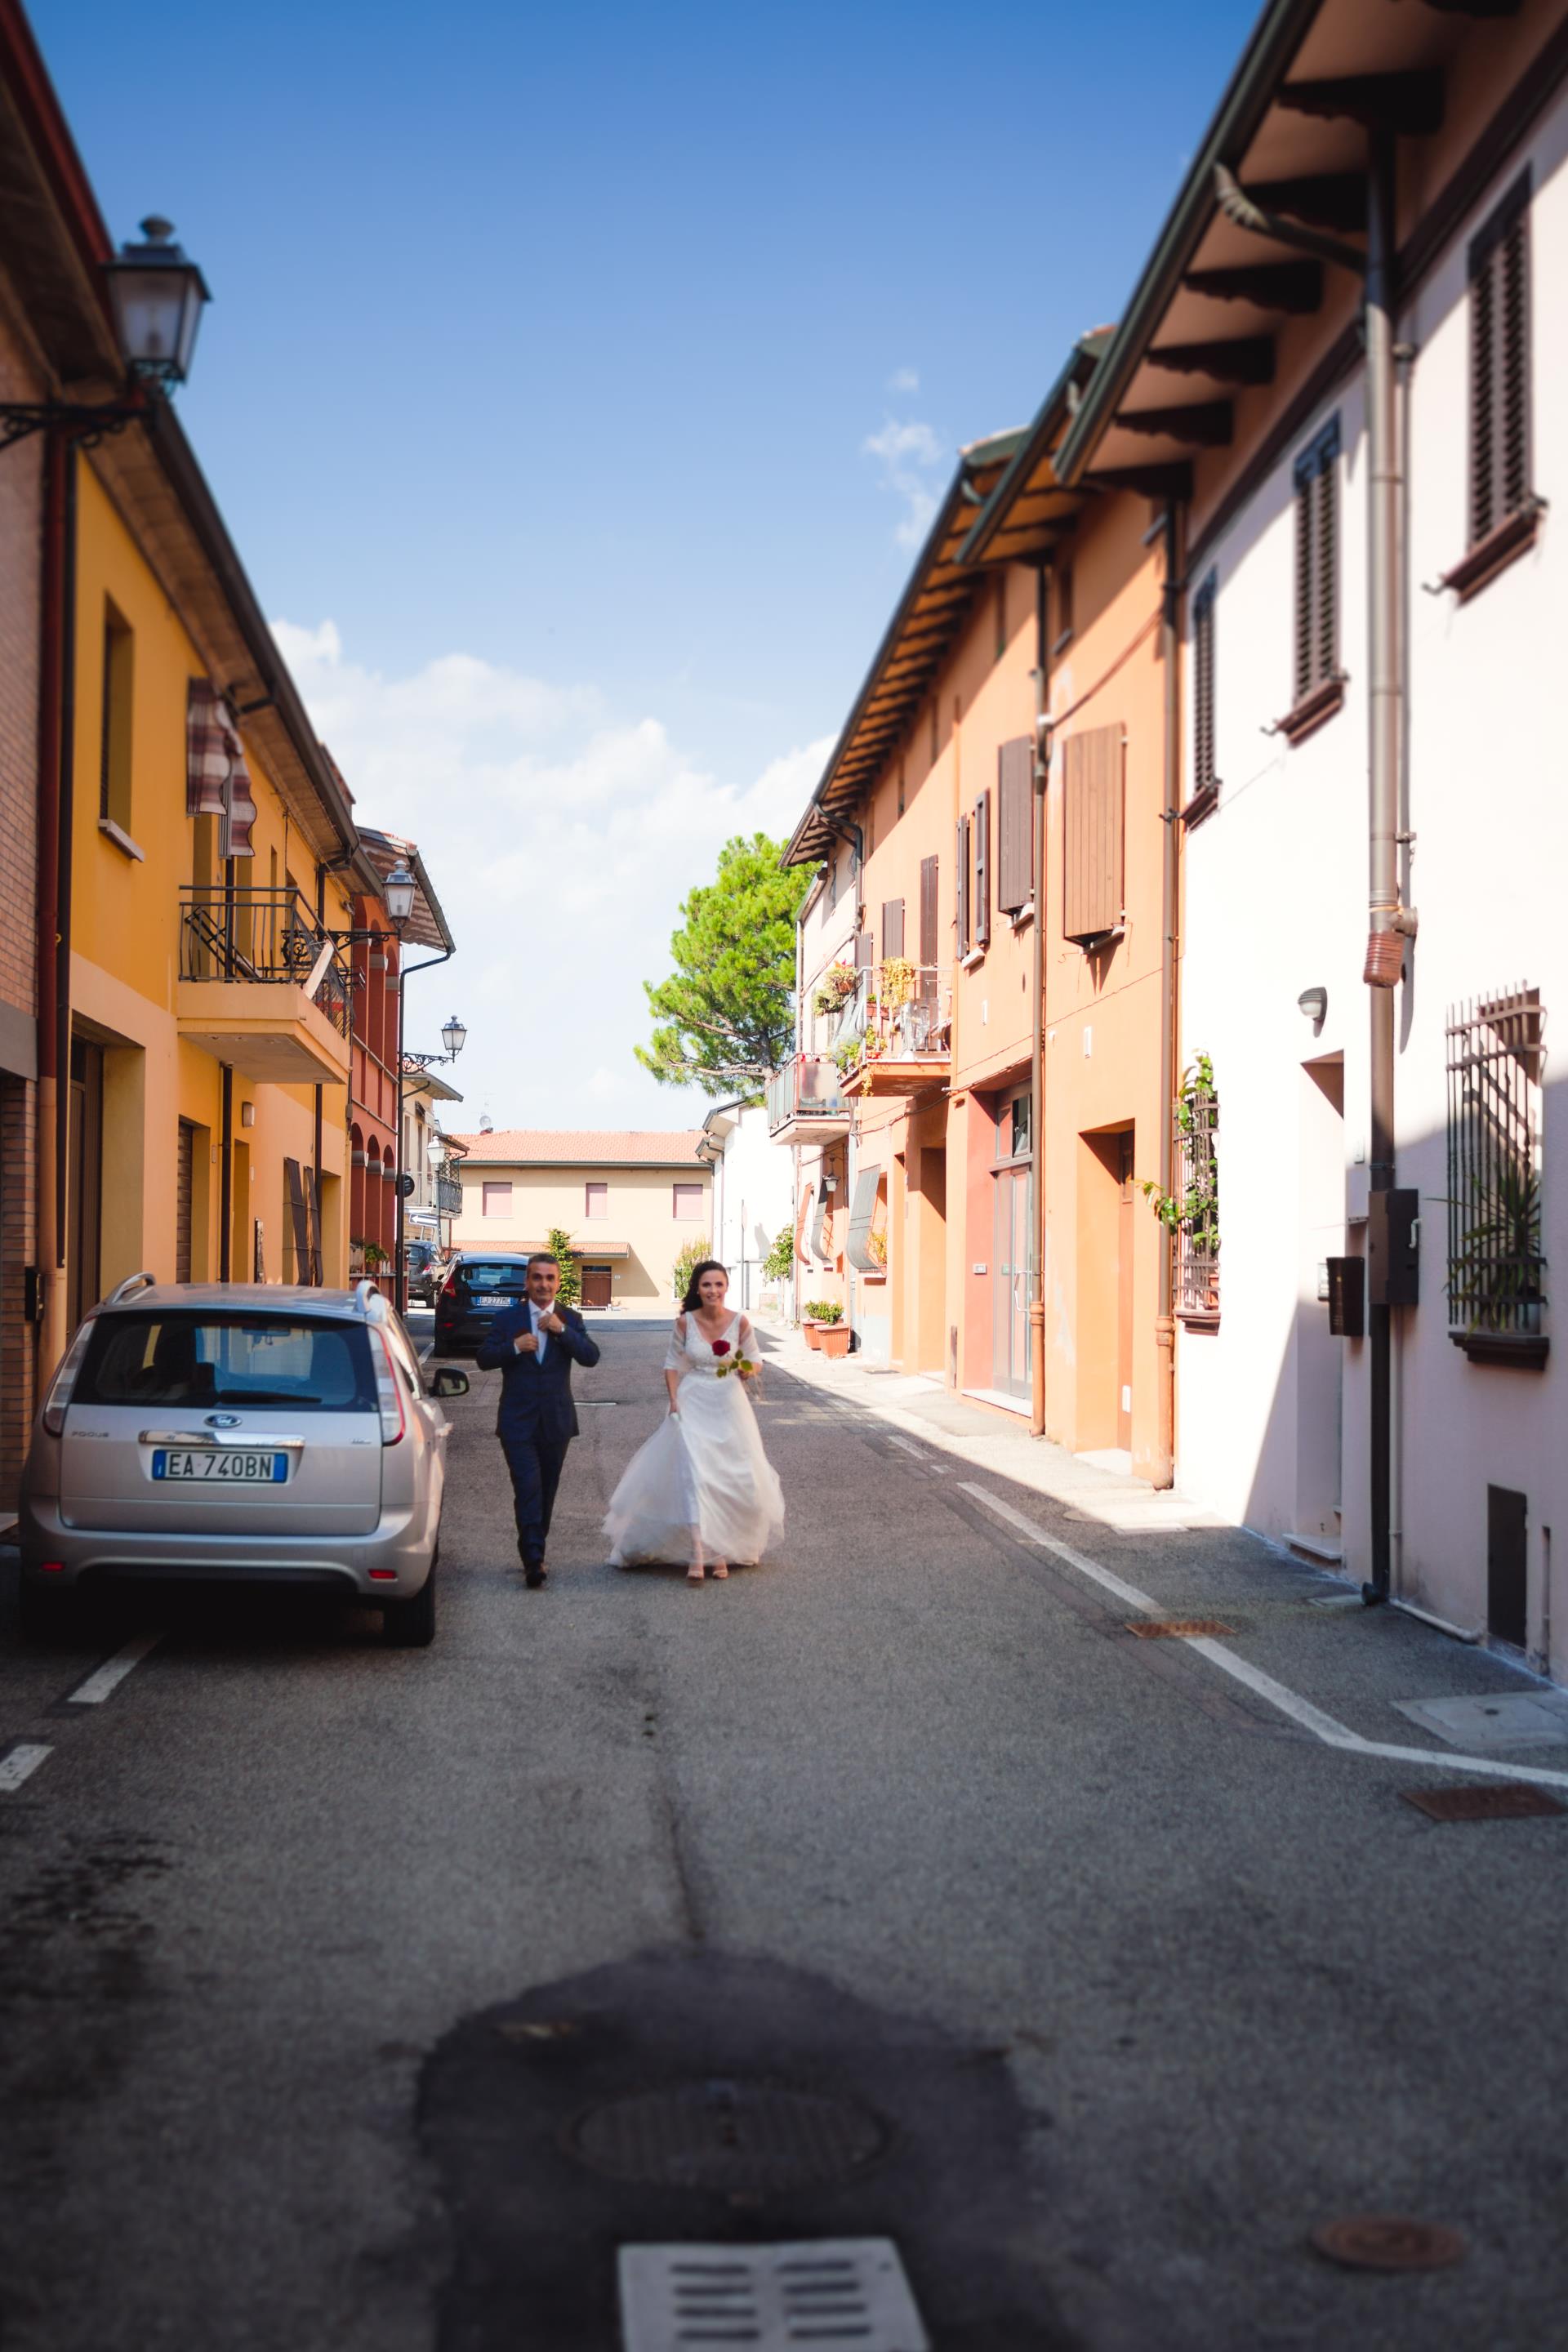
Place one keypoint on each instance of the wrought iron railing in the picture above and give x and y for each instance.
(808, 1087)
(1496, 1267)
(1197, 1203)
(907, 1020)
(267, 936)
(448, 1196)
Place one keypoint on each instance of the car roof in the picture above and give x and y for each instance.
(247, 1299)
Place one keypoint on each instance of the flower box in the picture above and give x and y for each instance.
(833, 1338)
(813, 1332)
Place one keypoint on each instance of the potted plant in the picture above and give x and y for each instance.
(818, 1311)
(832, 1332)
(834, 989)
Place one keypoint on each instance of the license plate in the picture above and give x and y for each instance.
(499, 1298)
(226, 1467)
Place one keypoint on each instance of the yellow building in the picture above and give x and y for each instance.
(632, 1199)
(212, 852)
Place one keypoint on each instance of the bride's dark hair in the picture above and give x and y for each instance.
(693, 1298)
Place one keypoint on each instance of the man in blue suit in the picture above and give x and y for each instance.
(535, 1346)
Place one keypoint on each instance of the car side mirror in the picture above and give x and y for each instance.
(449, 1382)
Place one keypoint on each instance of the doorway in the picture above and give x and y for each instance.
(1124, 1247)
(926, 1262)
(84, 1196)
(1314, 1507)
(1107, 1294)
(185, 1190)
(596, 1285)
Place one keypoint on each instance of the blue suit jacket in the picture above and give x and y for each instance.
(536, 1398)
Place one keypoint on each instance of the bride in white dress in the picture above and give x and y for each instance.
(702, 1490)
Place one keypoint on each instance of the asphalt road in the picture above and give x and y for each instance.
(320, 1965)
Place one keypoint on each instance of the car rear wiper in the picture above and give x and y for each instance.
(261, 1396)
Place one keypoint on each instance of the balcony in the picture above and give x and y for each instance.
(896, 1032)
(448, 1196)
(805, 1101)
(262, 986)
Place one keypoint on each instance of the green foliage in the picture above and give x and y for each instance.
(823, 1310)
(895, 981)
(1195, 1210)
(779, 1263)
(570, 1291)
(835, 989)
(372, 1253)
(723, 1020)
(691, 1254)
(1498, 1272)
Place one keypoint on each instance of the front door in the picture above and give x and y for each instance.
(595, 1285)
(1010, 1284)
(1124, 1239)
(184, 1176)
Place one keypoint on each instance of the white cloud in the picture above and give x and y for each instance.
(559, 839)
(904, 380)
(909, 453)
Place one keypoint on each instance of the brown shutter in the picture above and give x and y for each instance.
(930, 868)
(981, 924)
(1203, 778)
(865, 951)
(1092, 831)
(1500, 364)
(1316, 632)
(961, 890)
(313, 1221)
(892, 928)
(296, 1232)
(1015, 824)
(184, 1171)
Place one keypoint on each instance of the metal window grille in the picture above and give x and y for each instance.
(1317, 562)
(1496, 1269)
(1500, 364)
(1203, 777)
(1197, 1203)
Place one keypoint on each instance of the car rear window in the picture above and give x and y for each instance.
(482, 1274)
(236, 1359)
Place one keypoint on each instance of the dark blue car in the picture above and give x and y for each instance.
(476, 1289)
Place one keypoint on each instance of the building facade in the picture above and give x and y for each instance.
(630, 1200)
(752, 1201)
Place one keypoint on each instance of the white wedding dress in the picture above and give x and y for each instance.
(703, 1471)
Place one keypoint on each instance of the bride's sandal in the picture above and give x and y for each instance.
(719, 1574)
(694, 1575)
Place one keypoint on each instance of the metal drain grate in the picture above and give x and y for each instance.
(838, 2291)
(728, 2136)
(1505, 1800)
(1176, 1629)
(1388, 2241)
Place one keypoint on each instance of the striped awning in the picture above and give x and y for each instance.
(217, 781)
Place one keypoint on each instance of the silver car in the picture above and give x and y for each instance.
(270, 1436)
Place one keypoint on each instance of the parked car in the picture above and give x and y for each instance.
(477, 1287)
(264, 1437)
(423, 1278)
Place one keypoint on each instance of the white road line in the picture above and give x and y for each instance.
(1326, 1728)
(112, 1673)
(19, 1763)
(1089, 1567)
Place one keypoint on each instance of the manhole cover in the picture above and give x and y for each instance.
(1505, 1800)
(848, 2290)
(727, 2135)
(1388, 2241)
(1177, 1629)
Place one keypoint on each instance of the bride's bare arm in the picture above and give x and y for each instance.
(674, 1357)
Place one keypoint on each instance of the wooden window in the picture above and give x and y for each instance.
(930, 869)
(595, 1200)
(1205, 783)
(1316, 616)
(496, 1200)
(1499, 366)
(865, 951)
(961, 890)
(1015, 824)
(1064, 608)
(980, 917)
(1092, 834)
(892, 928)
(115, 749)
(688, 1204)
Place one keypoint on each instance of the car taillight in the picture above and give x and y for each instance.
(388, 1395)
(449, 1287)
(64, 1380)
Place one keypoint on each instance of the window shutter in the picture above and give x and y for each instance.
(961, 890)
(892, 928)
(1015, 824)
(1316, 631)
(862, 1217)
(1203, 777)
(865, 951)
(1500, 364)
(981, 924)
(1092, 831)
(930, 868)
(297, 1235)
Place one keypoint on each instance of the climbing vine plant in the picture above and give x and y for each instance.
(1191, 1212)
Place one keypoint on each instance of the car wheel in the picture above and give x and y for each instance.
(47, 1615)
(411, 1624)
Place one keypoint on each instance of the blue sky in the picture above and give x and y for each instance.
(572, 386)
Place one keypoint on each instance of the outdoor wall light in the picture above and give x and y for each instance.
(454, 1036)
(158, 296)
(398, 890)
(248, 1114)
(1314, 1003)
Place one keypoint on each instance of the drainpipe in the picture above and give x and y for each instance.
(1388, 926)
(53, 1085)
(1041, 675)
(1170, 649)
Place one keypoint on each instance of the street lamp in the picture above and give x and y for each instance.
(398, 892)
(454, 1036)
(157, 295)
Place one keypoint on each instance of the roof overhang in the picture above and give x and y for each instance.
(1028, 514)
(426, 927)
(933, 608)
(1271, 215)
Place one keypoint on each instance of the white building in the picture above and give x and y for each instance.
(1243, 350)
(753, 1199)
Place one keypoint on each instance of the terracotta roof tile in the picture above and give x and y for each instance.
(586, 1147)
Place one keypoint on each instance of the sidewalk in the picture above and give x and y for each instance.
(922, 1408)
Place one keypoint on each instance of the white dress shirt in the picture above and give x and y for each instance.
(541, 1338)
